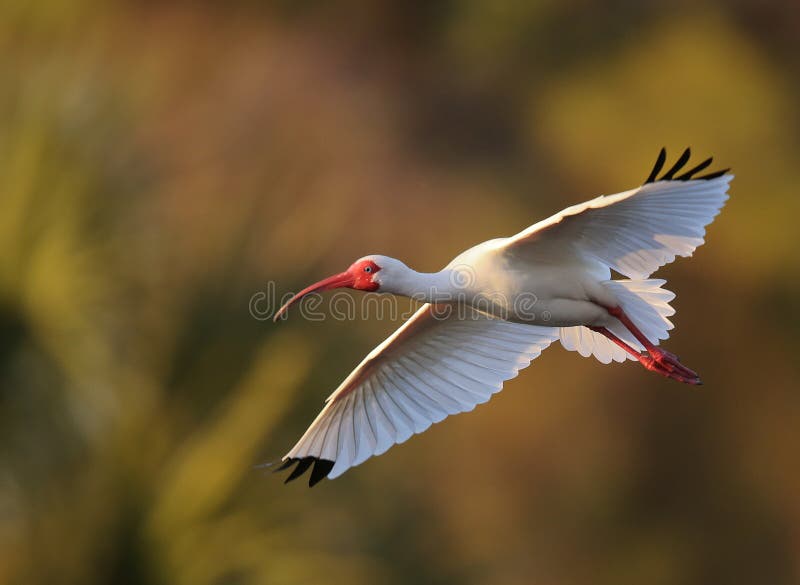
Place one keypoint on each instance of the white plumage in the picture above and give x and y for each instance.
(645, 302)
(449, 365)
(635, 232)
(440, 363)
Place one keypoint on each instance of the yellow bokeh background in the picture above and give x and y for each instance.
(162, 162)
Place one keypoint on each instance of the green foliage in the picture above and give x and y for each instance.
(161, 162)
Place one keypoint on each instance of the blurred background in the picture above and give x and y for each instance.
(162, 162)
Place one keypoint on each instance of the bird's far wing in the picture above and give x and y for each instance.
(434, 365)
(637, 231)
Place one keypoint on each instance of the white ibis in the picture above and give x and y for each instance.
(495, 307)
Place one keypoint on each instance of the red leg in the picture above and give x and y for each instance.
(625, 320)
(663, 357)
(650, 362)
(618, 341)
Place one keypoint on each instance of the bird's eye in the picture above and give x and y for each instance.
(367, 268)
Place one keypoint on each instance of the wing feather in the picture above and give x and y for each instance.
(428, 369)
(634, 232)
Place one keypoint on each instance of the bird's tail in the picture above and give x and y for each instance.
(647, 305)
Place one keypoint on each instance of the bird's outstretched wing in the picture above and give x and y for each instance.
(637, 231)
(433, 366)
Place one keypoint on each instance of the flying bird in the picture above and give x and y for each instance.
(497, 306)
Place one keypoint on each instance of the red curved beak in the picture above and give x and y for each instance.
(341, 280)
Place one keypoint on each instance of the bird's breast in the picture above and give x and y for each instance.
(529, 295)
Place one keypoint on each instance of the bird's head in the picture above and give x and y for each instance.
(370, 274)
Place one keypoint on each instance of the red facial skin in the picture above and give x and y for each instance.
(358, 276)
(362, 273)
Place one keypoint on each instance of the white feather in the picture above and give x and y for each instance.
(634, 232)
(426, 370)
(645, 302)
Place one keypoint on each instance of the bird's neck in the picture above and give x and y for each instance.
(429, 287)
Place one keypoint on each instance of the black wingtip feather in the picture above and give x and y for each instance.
(302, 466)
(714, 175)
(694, 170)
(679, 164)
(662, 158)
(286, 464)
(322, 467)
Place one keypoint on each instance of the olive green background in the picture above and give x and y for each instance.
(161, 163)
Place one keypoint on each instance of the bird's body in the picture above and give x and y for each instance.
(497, 305)
(495, 280)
